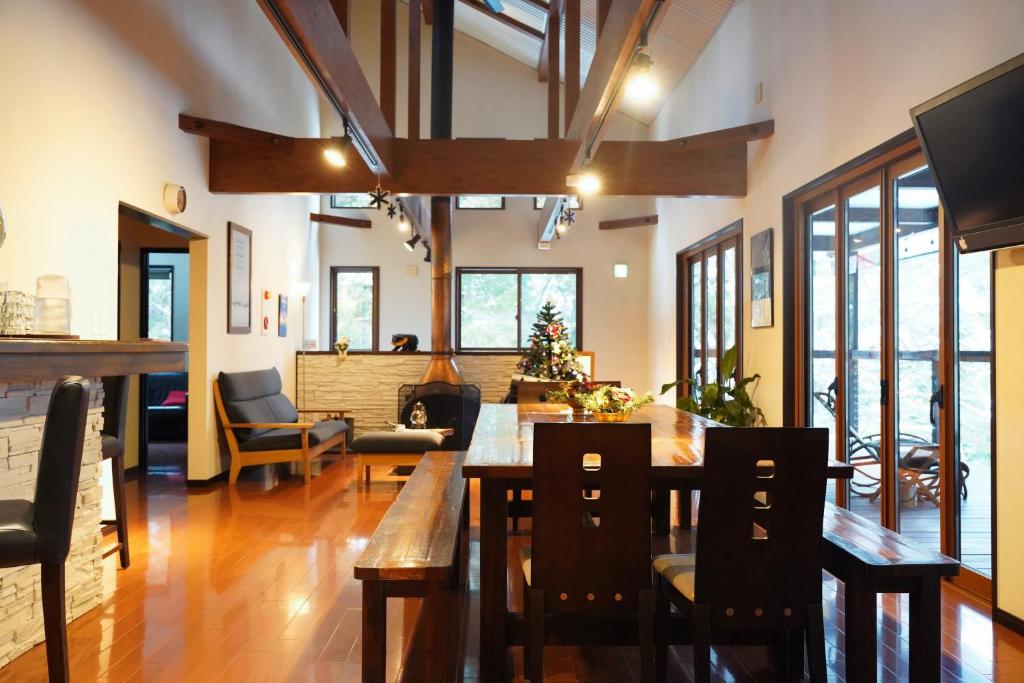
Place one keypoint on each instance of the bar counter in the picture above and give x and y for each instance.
(35, 359)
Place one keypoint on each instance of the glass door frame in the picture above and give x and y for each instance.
(880, 166)
(717, 243)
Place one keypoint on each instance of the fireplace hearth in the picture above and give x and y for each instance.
(454, 406)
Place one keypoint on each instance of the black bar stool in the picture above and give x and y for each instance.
(39, 532)
(115, 412)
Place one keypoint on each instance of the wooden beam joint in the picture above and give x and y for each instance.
(635, 222)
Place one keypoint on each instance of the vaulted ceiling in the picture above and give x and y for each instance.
(683, 29)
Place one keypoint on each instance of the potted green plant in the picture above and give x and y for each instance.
(729, 402)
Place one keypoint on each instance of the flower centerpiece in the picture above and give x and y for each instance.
(571, 392)
(614, 404)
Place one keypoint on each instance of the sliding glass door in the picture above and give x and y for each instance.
(895, 329)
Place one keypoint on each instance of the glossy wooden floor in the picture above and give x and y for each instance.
(255, 584)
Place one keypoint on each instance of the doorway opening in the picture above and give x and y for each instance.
(155, 276)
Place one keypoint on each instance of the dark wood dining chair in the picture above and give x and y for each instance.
(756, 575)
(39, 532)
(115, 413)
(590, 551)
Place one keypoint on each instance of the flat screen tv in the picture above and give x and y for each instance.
(973, 139)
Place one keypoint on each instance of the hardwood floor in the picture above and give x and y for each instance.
(255, 584)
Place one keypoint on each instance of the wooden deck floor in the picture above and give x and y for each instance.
(922, 522)
(255, 584)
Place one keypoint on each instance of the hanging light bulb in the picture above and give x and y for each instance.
(561, 227)
(336, 149)
(642, 86)
(410, 243)
(588, 183)
(403, 222)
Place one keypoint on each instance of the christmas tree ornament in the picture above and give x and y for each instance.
(551, 354)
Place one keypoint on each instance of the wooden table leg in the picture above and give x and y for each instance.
(861, 629)
(375, 610)
(661, 508)
(926, 631)
(685, 498)
(493, 577)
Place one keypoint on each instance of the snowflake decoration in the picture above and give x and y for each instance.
(568, 216)
(378, 197)
(392, 210)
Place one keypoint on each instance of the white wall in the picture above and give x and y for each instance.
(839, 78)
(91, 95)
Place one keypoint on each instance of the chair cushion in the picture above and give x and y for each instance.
(255, 397)
(526, 558)
(291, 439)
(407, 441)
(110, 447)
(17, 533)
(679, 570)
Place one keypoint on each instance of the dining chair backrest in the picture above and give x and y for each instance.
(759, 544)
(60, 466)
(591, 545)
(115, 407)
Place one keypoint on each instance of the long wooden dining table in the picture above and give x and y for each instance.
(501, 457)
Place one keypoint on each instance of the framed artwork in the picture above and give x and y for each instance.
(282, 316)
(239, 279)
(586, 359)
(762, 312)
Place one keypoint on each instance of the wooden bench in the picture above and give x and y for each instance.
(420, 549)
(869, 560)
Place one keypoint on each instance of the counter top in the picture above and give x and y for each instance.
(25, 359)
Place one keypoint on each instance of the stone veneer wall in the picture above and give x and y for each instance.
(366, 384)
(22, 414)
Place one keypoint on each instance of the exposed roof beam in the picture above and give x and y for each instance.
(635, 222)
(229, 132)
(504, 18)
(548, 220)
(543, 61)
(311, 30)
(428, 12)
(388, 61)
(614, 54)
(572, 58)
(341, 11)
(727, 136)
(340, 220)
(552, 38)
(413, 79)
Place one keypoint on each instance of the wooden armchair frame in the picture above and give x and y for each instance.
(305, 454)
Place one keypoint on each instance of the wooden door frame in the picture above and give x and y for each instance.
(684, 259)
(884, 160)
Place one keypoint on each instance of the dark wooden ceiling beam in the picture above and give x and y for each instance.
(622, 223)
(572, 58)
(553, 40)
(229, 132)
(388, 61)
(525, 29)
(615, 48)
(341, 10)
(313, 33)
(509, 167)
(428, 12)
(340, 220)
(415, 70)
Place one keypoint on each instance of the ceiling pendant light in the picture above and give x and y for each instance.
(410, 243)
(641, 86)
(337, 148)
(403, 222)
(586, 183)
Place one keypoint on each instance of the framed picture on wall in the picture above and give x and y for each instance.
(239, 279)
(282, 316)
(762, 312)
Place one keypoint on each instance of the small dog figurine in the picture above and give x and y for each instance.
(404, 342)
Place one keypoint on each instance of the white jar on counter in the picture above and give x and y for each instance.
(53, 305)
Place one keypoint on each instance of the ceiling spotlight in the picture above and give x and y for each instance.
(586, 183)
(561, 227)
(641, 87)
(403, 222)
(426, 259)
(334, 152)
(410, 243)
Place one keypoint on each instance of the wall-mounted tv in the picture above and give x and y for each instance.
(973, 138)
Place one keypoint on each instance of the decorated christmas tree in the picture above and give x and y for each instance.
(551, 354)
